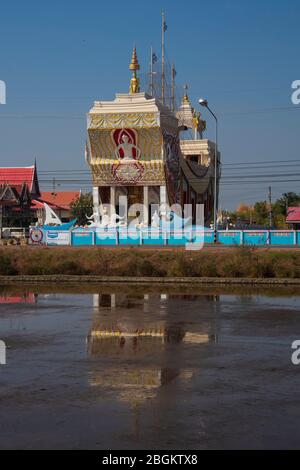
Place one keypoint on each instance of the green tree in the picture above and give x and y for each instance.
(242, 214)
(82, 207)
(286, 200)
(261, 212)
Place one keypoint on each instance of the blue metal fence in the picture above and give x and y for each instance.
(158, 237)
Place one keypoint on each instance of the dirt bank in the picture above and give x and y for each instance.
(245, 264)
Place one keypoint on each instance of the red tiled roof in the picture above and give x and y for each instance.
(39, 204)
(62, 199)
(35, 204)
(17, 176)
(293, 215)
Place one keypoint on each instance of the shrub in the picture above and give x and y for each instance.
(147, 268)
(6, 265)
(69, 267)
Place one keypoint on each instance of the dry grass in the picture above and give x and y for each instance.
(236, 262)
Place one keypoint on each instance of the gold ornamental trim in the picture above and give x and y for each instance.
(119, 120)
(139, 173)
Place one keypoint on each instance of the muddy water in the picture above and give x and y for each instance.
(107, 368)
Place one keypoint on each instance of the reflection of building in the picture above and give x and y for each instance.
(139, 327)
(10, 298)
(134, 149)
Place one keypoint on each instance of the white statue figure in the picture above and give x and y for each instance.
(127, 149)
(115, 220)
(94, 219)
(105, 220)
(155, 220)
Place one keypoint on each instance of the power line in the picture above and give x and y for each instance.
(259, 175)
(224, 113)
(265, 181)
(260, 111)
(258, 163)
(234, 179)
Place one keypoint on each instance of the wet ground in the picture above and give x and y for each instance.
(104, 367)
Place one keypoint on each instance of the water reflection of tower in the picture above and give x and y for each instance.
(139, 325)
(138, 344)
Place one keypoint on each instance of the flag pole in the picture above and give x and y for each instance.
(151, 73)
(163, 57)
(173, 87)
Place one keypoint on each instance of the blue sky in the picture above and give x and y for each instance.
(58, 57)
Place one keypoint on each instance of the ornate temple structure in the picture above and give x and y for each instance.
(134, 149)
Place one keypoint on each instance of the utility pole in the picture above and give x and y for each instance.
(270, 208)
(204, 103)
(54, 186)
(151, 73)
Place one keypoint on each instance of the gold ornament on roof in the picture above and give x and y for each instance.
(134, 66)
(185, 96)
(196, 119)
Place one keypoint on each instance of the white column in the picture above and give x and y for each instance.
(163, 200)
(96, 202)
(162, 195)
(123, 207)
(146, 205)
(96, 196)
(113, 198)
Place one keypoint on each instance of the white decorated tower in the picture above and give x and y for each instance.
(134, 150)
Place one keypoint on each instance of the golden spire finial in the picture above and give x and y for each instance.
(134, 66)
(185, 96)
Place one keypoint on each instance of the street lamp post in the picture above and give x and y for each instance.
(204, 103)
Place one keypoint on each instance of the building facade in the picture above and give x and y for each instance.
(19, 187)
(22, 202)
(134, 149)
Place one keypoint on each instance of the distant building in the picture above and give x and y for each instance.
(18, 188)
(60, 202)
(22, 202)
(293, 217)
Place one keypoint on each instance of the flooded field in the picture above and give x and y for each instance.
(108, 367)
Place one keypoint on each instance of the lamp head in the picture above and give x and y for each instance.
(203, 102)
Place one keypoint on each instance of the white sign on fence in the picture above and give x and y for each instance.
(58, 238)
